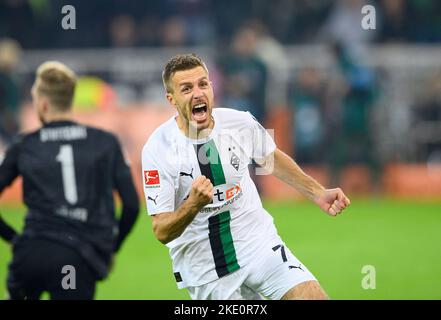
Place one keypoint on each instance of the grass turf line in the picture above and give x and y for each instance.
(400, 239)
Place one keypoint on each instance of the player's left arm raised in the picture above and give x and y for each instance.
(282, 166)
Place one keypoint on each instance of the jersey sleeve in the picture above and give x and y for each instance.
(123, 177)
(157, 179)
(129, 197)
(9, 166)
(6, 231)
(262, 142)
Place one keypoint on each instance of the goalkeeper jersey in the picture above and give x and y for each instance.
(229, 232)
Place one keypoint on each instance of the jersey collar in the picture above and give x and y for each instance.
(61, 123)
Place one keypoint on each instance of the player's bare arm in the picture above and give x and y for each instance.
(282, 166)
(170, 225)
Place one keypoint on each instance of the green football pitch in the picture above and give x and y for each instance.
(400, 240)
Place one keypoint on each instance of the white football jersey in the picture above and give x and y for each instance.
(229, 232)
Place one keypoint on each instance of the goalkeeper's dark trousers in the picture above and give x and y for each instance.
(41, 265)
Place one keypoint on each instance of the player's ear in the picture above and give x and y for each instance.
(170, 99)
(44, 104)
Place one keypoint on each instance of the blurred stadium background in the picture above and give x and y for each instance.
(360, 109)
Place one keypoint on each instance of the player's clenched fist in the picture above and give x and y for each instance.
(201, 191)
(332, 201)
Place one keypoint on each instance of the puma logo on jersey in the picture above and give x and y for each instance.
(154, 200)
(294, 267)
(183, 174)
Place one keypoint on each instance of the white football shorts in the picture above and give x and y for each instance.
(272, 272)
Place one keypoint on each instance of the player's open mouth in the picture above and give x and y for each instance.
(199, 112)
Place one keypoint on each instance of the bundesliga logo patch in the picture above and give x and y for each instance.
(151, 178)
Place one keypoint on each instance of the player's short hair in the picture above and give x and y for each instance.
(57, 82)
(180, 62)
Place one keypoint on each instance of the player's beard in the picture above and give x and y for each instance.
(189, 125)
(194, 127)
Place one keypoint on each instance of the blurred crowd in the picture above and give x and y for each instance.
(114, 23)
(330, 112)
